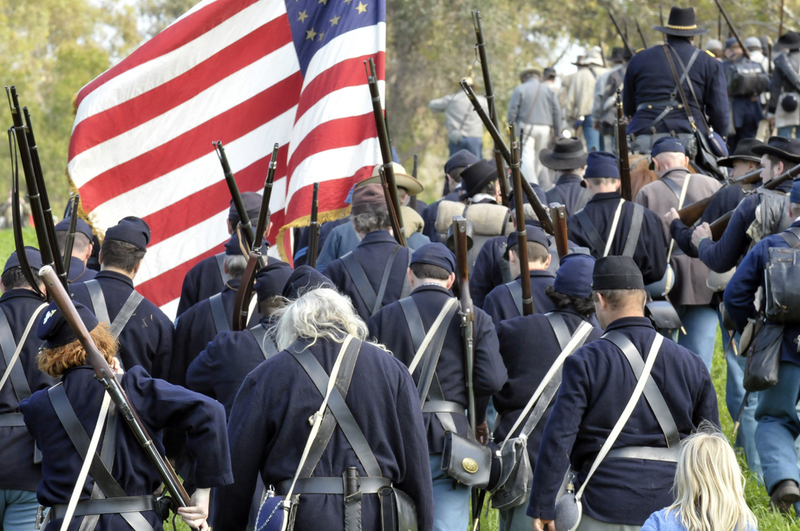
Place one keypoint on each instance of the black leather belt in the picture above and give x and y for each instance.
(660, 104)
(442, 406)
(332, 485)
(646, 452)
(8, 420)
(129, 504)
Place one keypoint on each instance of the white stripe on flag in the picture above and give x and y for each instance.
(355, 43)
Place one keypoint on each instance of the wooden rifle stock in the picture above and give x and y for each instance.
(394, 214)
(692, 213)
(538, 207)
(622, 35)
(390, 183)
(719, 226)
(255, 261)
(313, 230)
(559, 213)
(104, 373)
(73, 226)
(467, 308)
(34, 195)
(480, 45)
(522, 235)
(733, 29)
(626, 189)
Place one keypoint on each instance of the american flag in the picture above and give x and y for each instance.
(250, 73)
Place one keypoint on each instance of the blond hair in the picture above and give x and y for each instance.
(709, 486)
(321, 313)
(56, 361)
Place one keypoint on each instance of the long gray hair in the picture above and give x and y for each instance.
(319, 314)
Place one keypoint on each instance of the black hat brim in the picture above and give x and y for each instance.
(480, 186)
(548, 160)
(781, 154)
(728, 161)
(680, 32)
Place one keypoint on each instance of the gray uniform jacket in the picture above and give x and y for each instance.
(460, 117)
(546, 112)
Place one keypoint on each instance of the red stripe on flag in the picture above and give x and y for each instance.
(193, 144)
(153, 103)
(166, 287)
(209, 201)
(172, 38)
(349, 73)
(333, 134)
(332, 195)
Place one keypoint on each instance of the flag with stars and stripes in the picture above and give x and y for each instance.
(249, 73)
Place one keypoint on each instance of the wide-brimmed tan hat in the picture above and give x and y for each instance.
(402, 179)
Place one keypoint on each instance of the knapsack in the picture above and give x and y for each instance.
(782, 284)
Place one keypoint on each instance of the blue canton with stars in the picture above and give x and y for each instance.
(315, 23)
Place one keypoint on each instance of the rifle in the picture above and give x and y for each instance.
(255, 261)
(690, 214)
(313, 230)
(412, 201)
(480, 44)
(559, 214)
(733, 29)
(394, 217)
(106, 376)
(538, 207)
(37, 200)
(719, 226)
(389, 182)
(244, 219)
(641, 34)
(622, 35)
(622, 148)
(780, 27)
(73, 225)
(522, 235)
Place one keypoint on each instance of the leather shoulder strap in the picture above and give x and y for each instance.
(795, 232)
(515, 288)
(126, 312)
(267, 346)
(337, 406)
(220, 258)
(560, 329)
(98, 301)
(595, 240)
(672, 185)
(359, 278)
(651, 391)
(633, 233)
(414, 321)
(387, 271)
(9, 347)
(433, 353)
(218, 313)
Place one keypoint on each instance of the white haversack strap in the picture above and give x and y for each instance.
(577, 339)
(626, 413)
(432, 332)
(613, 231)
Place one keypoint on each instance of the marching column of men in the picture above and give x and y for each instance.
(347, 397)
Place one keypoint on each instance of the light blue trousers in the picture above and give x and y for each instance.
(450, 499)
(18, 510)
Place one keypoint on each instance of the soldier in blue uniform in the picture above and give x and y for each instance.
(452, 189)
(269, 423)
(570, 295)
(21, 471)
(432, 273)
(650, 95)
(636, 477)
(741, 162)
(638, 235)
(779, 155)
(203, 321)
(81, 249)
(207, 277)
(745, 108)
(777, 417)
(374, 274)
(219, 370)
(568, 159)
(505, 302)
(144, 332)
(130, 477)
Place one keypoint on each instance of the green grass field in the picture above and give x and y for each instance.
(756, 496)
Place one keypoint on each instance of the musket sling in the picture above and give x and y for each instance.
(218, 313)
(104, 483)
(372, 300)
(596, 241)
(101, 309)
(657, 404)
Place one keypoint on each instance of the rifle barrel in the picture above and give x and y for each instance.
(73, 226)
(621, 35)
(732, 28)
(536, 203)
(244, 219)
(313, 232)
(522, 235)
(641, 33)
(266, 196)
(16, 222)
(622, 148)
(104, 373)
